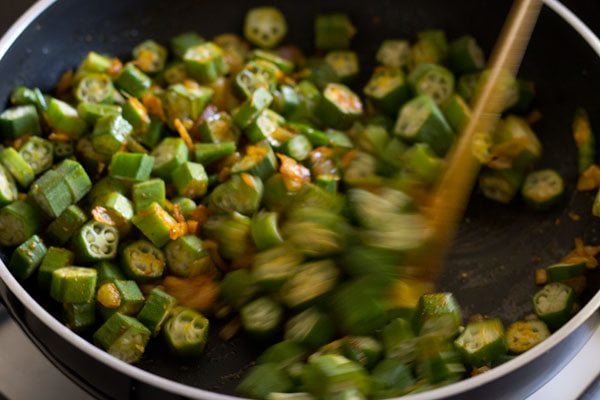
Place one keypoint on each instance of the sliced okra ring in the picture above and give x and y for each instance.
(438, 312)
(421, 163)
(123, 337)
(185, 103)
(92, 112)
(238, 288)
(298, 147)
(142, 261)
(272, 268)
(265, 231)
(136, 114)
(186, 257)
(431, 47)
(247, 82)
(96, 241)
(133, 81)
(324, 375)
(245, 114)
(76, 178)
(465, 56)
(391, 377)
(286, 100)
(553, 304)
(482, 342)
(27, 257)
(155, 223)
(399, 340)
(264, 380)
(344, 63)
(219, 128)
(365, 350)
(265, 26)
(19, 121)
(186, 332)
(265, 127)
(150, 56)
(8, 187)
(514, 133)
(208, 153)
(55, 258)
(432, 80)
(231, 232)
(241, 193)
(133, 167)
(185, 204)
(262, 317)
(542, 189)
(286, 66)
(120, 296)
(18, 167)
(339, 106)
(311, 282)
(190, 180)
(95, 88)
(181, 43)
(73, 285)
(387, 89)
(310, 328)
(259, 161)
(51, 193)
(79, 316)
(333, 31)
(500, 185)
(94, 62)
(148, 192)
(156, 310)
(523, 335)
(168, 155)
(18, 221)
(457, 112)
(205, 62)
(110, 134)
(394, 53)
(68, 222)
(108, 272)
(62, 117)
(38, 153)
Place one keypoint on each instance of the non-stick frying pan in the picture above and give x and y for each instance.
(491, 266)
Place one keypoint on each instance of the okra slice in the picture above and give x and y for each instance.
(115, 210)
(190, 180)
(542, 189)
(148, 192)
(265, 127)
(133, 81)
(394, 53)
(151, 136)
(185, 102)
(18, 167)
(106, 186)
(156, 310)
(344, 63)
(132, 167)
(232, 233)
(391, 378)
(372, 139)
(259, 161)
(553, 304)
(564, 270)
(399, 341)
(168, 155)
(285, 354)
(95, 241)
(155, 223)
(263, 380)
(219, 128)
(585, 140)
(150, 56)
(432, 80)
(95, 88)
(123, 337)
(387, 89)
(18, 222)
(438, 361)
(264, 230)
(204, 62)
(274, 267)
(124, 297)
(241, 193)
(262, 317)
(467, 86)
(310, 96)
(365, 350)
(137, 116)
(431, 47)
(420, 120)
(276, 195)
(339, 106)
(94, 62)
(515, 144)
(439, 313)
(182, 42)
(421, 163)
(8, 187)
(18, 121)
(285, 65)
(457, 112)
(465, 56)
(79, 317)
(500, 185)
(142, 261)
(55, 258)
(68, 222)
(208, 153)
(27, 257)
(238, 288)
(108, 272)
(298, 147)
(73, 285)
(265, 27)
(310, 328)
(482, 342)
(310, 283)
(186, 205)
(250, 109)
(333, 31)
(64, 118)
(186, 257)
(22, 96)
(38, 153)
(77, 180)
(51, 193)
(523, 335)
(63, 150)
(355, 312)
(248, 80)
(327, 375)
(110, 134)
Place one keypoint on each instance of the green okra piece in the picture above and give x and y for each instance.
(55, 258)
(110, 134)
(22, 96)
(95, 241)
(238, 288)
(148, 192)
(155, 223)
(73, 284)
(142, 261)
(286, 66)
(90, 158)
(124, 297)
(123, 337)
(106, 186)
(150, 56)
(565, 270)
(298, 147)
(186, 257)
(249, 79)
(482, 342)
(248, 111)
(312, 196)
(421, 163)
(432, 80)
(365, 350)
(264, 26)
(185, 204)
(467, 85)
(500, 185)
(311, 282)
(134, 167)
(263, 380)
(333, 31)
(108, 272)
(204, 62)
(420, 120)
(523, 335)
(62, 117)
(94, 62)
(231, 232)
(399, 340)
(394, 53)
(439, 313)
(525, 96)
(272, 268)
(391, 378)
(262, 317)
(431, 47)
(156, 310)
(264, 230)
(285, 100)
(542, 189)
(438, 361)
(116, 209)
(133, 81)
(259, 161)
(62, 150)
(51, 193)
(457, 112)
(284, 354)
(328, 182)
(20, 170)
(553, 304)
(344, 63)
(186, 332)
(465, 56)
(219, 128)
(372, 139)
(515, 133)
(92, 112)
(175, 72)
(170, 153)
(8, 188)
(182, 42)
(79, 317)
(241, 193)
(18, 121)
(38, 153)
(355, 313)
(185, 102)
(310, 328)
(76, 178)
(324, 375)
(94, 88)
(18, 221)
(339, 106)
(265, 127)
(152, 134)
(387, 89)
(190, 180)
(66, 224)
(209, 153)
(276, 195)
(585, 140)
(27, 257)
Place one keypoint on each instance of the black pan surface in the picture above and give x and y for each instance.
(498, 248)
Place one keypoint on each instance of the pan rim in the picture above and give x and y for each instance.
(193, 392)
